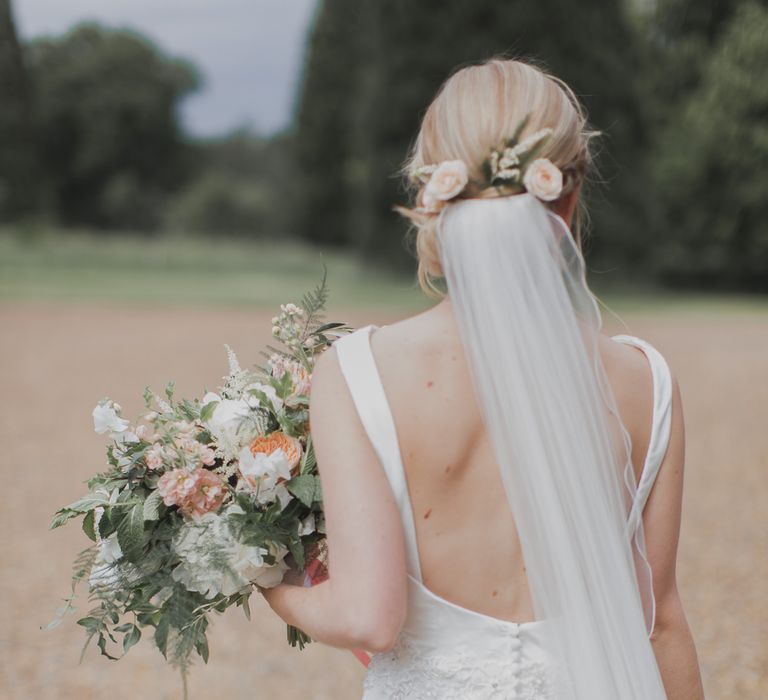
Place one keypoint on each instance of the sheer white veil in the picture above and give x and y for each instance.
(530, 328)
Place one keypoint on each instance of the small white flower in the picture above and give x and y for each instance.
(494, 162)
(511, 174)
(109, 550)
(261, 474)
(543, 179)
(307, 526)
(105, 419)
(509, 159)
(528, 143)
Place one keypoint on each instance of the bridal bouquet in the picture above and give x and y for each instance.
(205, 498)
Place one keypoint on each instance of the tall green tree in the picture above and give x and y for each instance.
(111, 145)
(323, 120)
(17, 160)
(711, 165)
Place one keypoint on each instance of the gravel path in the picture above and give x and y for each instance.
(56, 361)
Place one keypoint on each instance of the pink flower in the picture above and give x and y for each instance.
(543, 179)
(207, 456)
(300, 378)
(195, 492)
(447, 181)
(154, 456)
(143, 432)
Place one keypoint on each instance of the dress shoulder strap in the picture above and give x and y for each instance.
(358, 366)
(660, 428)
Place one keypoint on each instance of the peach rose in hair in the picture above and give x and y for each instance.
(543, 179)
(448, 180)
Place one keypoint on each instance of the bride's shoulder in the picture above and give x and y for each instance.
(628, 371)
(422, 332)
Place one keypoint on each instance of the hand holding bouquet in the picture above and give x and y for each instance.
(205, 498)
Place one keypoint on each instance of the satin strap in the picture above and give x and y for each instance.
(660, 427)
(358, 367)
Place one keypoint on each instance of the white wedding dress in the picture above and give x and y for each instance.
(445, 651)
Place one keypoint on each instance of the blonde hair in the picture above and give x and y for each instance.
(475, 110)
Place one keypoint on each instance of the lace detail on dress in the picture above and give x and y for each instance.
(407, 674)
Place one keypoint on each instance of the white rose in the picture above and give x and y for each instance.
(226, 419)
(246, 562)
(448, 180)
(543, 179)
(105, 419)
(270, 576)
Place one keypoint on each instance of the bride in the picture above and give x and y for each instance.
(502, 481)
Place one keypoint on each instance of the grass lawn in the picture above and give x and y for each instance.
(96, 267)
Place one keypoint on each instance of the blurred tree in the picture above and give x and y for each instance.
(681, 36)
(323, 121)
(711, 165)
(106, 110)
(384, 62)
(244, 188)
(17, 171)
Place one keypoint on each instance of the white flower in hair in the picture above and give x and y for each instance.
(447, 181)
(543, 179)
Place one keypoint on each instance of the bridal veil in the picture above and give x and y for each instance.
(530, 327)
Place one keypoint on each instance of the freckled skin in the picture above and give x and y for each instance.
(428, 513)
(430, 383)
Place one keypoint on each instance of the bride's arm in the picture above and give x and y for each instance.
(672, 640)
(363, 602)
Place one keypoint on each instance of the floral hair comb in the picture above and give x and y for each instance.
(513, 166)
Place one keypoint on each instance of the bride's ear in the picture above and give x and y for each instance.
(565, 206)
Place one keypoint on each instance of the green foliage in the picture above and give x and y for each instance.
(152, 506)
(711, 165)
(221, 204)
(243, 188)
(130, 533)
(80, 507)
(110, 146)
(306, 487)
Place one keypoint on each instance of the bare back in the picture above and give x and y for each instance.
(460, 528)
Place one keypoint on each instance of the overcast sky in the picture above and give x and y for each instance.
(249, 51)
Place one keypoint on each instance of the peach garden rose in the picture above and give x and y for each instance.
(543, 179)
(446, 182)
(267, 444)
